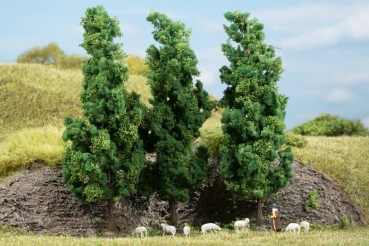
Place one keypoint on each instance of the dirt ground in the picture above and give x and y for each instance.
(37, 200)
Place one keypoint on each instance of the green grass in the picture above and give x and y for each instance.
(355, 236)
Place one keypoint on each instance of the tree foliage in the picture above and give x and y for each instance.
(253, 121)
(51, 55)
(331, 125)
(178, 111)
(105, 157)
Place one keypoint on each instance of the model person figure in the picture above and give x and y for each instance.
(276, 221)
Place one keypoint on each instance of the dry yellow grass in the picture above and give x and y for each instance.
(212, 122)
(136, 64)
(36, 95)
(22, 148)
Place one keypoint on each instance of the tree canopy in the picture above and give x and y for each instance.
(106, 155)
(178, 111)
(253, 121)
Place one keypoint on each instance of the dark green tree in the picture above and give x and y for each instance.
(331, 125)
(106, 156)
(253, 121)
(178, 111)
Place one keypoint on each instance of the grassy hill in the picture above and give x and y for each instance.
(36, 98)
(37, 95)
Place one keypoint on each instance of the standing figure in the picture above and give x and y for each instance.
(276, 220)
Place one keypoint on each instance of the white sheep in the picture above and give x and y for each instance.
(305, 225)
(210, 227)
(241, 224)
(293, 227)
(140, 230)
(167, 229)
(186, 231)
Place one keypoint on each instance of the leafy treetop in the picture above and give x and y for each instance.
(178, 111)
(105, 156)
(253, 121)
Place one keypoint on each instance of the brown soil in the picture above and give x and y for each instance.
(36, 200)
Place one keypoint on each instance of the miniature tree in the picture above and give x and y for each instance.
(253, 121)
(178, 111)
(106, 156)
(50, 54)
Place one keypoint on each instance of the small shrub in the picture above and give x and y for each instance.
(51, 55)
(213, 139)
(230, 225)
(344, 223)
(153, 231)
(331, 125)
(312, 201)
(103, 232)
(47, 55)
(95, 220)
(296, 140)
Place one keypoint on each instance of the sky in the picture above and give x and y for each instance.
(324, 45)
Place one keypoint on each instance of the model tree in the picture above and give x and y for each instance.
(252, 164)
(178, 111)
(50, 54)
(106, 156)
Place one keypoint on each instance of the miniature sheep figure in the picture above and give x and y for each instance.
(305, 225)
(210, 227)
(241, 224)
(140, 230)
(186, 231)
(167, 229)
(293, 227)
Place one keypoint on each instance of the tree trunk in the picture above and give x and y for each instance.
(112, 227)
(259, 214)
(173, 212)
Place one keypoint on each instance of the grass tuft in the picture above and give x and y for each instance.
(22, 148)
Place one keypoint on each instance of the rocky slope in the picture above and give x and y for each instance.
(38, 201)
